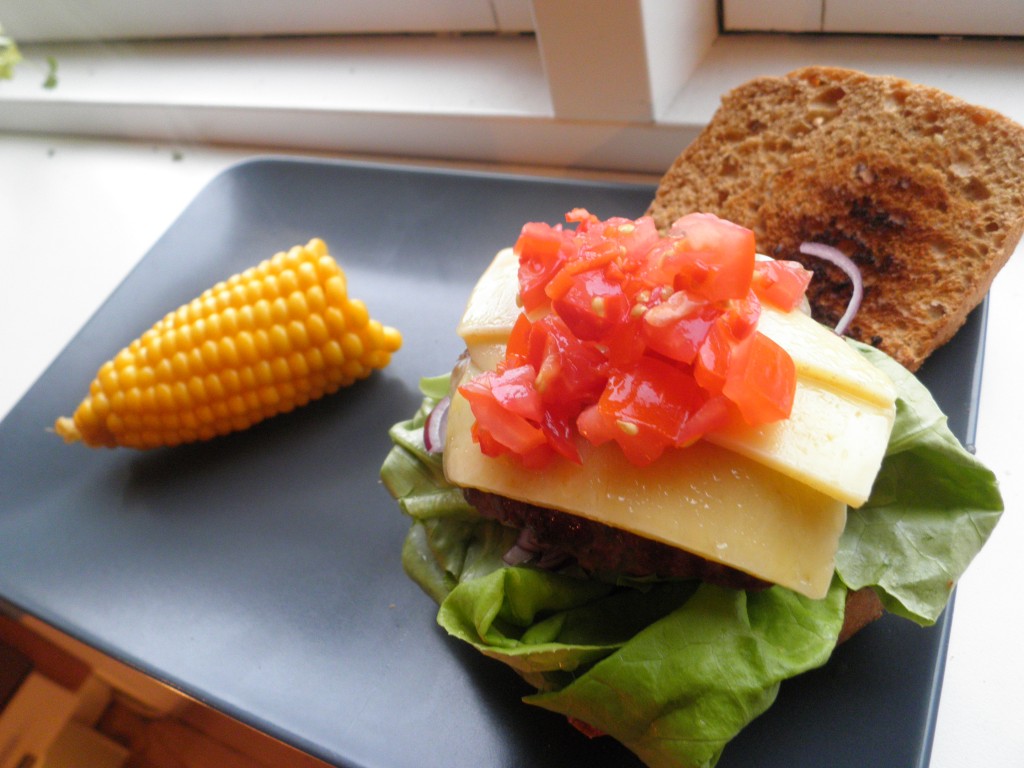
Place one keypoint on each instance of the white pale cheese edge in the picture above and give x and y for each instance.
(770, 502)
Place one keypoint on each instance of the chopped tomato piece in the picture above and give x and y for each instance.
(625, 345)
(517, 350)
(631, 337)
(569, 371)
(593, 257)
(741, 315)
(722, 255)
(649, 404)
(677, 327)
(499, 429)
(636, 237)
(592, 424)
(558, 429)
(712, 364)
(541, 255)
(581, 216)
(514, 390)
(717, 413)
(642, 446)
(593, 306)
(761, 380)
(781, 283)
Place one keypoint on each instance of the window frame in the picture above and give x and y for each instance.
(494, 98)
(996, 18)
(110, 20)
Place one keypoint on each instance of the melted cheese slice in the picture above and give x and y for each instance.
(493, 305)
(822, 356)
(837, 434)
(832, 441)
(705, 500)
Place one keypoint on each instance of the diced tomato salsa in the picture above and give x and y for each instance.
(650, 341)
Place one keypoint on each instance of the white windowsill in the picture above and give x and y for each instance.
(475, 98)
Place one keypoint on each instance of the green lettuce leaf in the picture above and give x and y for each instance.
(674, 670)
(932, 508)
(684, 686)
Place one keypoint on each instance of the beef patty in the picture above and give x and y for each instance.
(599, 548)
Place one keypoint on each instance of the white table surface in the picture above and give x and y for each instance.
(76, 215)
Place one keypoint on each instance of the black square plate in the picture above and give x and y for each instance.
(260, 572)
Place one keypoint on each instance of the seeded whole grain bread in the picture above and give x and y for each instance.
(922, 190)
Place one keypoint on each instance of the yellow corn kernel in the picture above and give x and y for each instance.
(179, 363)
(260, 343)
(315, 297)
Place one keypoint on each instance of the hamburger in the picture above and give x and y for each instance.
(656, 488)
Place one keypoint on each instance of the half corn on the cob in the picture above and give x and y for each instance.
(276, 336)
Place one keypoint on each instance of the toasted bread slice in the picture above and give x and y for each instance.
(922, 190)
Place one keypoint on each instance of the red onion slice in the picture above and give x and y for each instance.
(845, 263)
(528, 551)
(435, 426)
(524, 550)
(516, 555)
